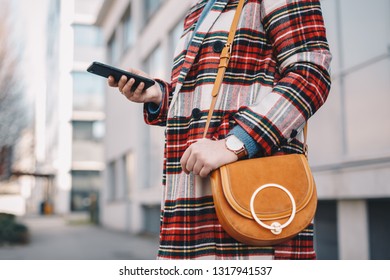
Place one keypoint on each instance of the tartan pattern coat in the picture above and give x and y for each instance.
(277, 78)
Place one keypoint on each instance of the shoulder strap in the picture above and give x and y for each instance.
(223, 64)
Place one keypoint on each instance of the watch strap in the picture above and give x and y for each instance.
(242, 153)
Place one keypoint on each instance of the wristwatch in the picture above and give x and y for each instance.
(236, 146)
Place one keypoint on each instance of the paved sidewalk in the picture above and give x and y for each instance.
(56, 238)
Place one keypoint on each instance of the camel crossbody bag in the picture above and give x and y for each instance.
(261, 201)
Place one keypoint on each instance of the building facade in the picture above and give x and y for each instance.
(77, 156)
(87, 119)
(349, 138)
(66, 124)
(352, 170)
(137, 34)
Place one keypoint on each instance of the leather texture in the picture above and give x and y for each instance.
(234, 184)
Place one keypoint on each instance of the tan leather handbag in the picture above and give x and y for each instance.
(261, 201)
(264, 201)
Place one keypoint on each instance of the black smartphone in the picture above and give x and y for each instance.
(105, 70)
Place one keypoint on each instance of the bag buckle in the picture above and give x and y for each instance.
(225, 56)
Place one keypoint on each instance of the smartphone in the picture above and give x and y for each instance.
(105, 70)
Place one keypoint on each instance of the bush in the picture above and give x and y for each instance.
(11, 231)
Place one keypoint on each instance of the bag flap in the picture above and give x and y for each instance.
(242, 178)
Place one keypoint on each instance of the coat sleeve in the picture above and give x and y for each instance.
(158, 116)
(297, 33)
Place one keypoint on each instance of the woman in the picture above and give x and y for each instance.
(276, 80)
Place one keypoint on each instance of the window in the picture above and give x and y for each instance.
(53, 26)
(357, 60)
(174, 37)
(85, 184)
(5, 162)
(87, 35)
(112, 182)
(152, 218)
(88, 92)
(113, 49)
(155, 64)
(379, 227)
(128, 29)
(88, 130)
(128, 172)
(88, 180)
(87, 141)
(120, 175)
(326, 230)
(151, 7)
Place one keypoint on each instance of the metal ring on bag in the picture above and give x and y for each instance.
(276, 228)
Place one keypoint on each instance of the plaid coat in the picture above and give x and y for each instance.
(276, 80)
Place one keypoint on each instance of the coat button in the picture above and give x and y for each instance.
(294, 133)
(218, 46)
(196, 114)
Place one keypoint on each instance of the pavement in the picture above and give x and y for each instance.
(64, 238)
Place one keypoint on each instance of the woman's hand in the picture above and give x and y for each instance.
(206, 155)
(139, 95)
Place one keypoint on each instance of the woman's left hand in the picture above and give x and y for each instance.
(205, 155)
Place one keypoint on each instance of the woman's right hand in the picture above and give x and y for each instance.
(139, 95)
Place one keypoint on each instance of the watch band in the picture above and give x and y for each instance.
(242, 153)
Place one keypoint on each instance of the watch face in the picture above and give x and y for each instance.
(233, 143)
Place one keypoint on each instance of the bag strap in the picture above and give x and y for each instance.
(223, 64)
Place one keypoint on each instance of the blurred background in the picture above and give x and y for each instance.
(78, 166)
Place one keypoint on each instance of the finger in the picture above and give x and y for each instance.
(127, 89)
(205, 171)
(122, 82)
(191, 161)
(140, 88)
(111, 82)
(138, 92)
(198, 166)
(184, 159)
